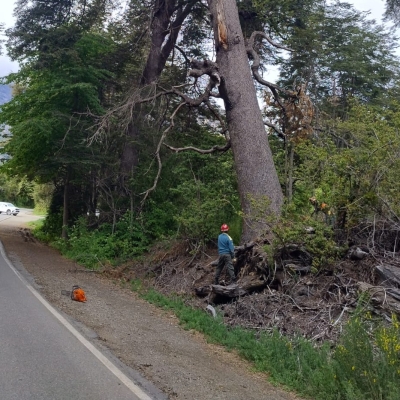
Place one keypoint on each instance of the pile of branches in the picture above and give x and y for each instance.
(288, 295)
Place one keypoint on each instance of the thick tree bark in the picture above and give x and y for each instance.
(159, 29)
(257, 177)
(164, 25)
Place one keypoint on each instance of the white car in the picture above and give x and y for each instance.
(8, 208)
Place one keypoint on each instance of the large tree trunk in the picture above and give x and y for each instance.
(166, 25)
(257, 177)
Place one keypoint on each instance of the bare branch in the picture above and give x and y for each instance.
(265, 36)
(275, 128)
(183, 54)
(213, 149)
(218, 116)
(256, 61)
(205, 67)
(157, 154)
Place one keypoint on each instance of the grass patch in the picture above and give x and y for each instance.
(364, 365)
(35, 225)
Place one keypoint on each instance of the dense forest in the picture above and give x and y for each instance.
(137, 123)
(148, 111)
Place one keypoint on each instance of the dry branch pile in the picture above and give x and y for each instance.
(287, 296)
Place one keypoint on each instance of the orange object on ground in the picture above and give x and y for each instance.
(78, 294)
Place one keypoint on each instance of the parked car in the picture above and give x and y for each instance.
(8, 208)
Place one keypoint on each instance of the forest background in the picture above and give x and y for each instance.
(138, 125)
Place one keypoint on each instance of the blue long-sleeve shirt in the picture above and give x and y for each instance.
(225, 245)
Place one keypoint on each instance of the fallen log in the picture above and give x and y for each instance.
(238, 251)
(248, 285)
(202, 291)
(357, 253)
(390, 275)
(380, 297)
(230, 291)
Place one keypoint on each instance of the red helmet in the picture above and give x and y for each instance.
(224, 228)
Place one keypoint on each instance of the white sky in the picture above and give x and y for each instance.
(6, 11)
(376, 7)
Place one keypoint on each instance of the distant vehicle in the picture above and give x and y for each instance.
(8, 208)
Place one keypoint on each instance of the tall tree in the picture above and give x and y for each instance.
(63, 75)
(167, 18)
(340, 54)
(257, 177)
(393, 10)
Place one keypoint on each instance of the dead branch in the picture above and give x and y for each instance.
(252, 53)
(214, 149)
(275, 128)
(205, 67)
(219, 117)
(157, 155)
(265, 36)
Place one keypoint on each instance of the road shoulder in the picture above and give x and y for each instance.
(178, 362)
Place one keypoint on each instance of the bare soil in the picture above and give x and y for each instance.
(180, 363)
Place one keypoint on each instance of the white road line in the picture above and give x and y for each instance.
(114, 369)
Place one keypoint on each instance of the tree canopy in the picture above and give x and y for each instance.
(112, 101)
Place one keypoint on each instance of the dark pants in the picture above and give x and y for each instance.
(225, 260)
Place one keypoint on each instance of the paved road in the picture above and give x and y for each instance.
(42, 356)
(25, 215)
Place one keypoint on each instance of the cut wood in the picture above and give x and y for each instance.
(231, 291)
(357, 253)
(390, 275)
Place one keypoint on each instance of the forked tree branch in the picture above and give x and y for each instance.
(252, 53)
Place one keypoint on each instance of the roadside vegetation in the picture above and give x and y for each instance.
(364, 364)
(114, 134)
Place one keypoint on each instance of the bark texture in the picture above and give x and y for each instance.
(257, 177)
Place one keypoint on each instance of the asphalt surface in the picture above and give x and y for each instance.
(42, 355)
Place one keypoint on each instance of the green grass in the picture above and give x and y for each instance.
(35, 224)
(357, 369)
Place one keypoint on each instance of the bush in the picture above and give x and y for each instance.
(319, 244)
(94, 248)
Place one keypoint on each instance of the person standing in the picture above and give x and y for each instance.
(226, 252)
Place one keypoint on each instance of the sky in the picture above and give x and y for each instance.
(376, 8)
